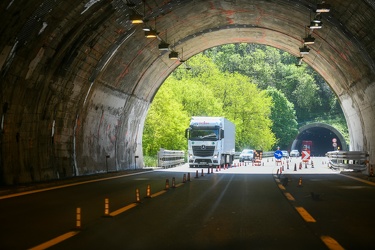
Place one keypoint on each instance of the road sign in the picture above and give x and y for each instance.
(305, 156)
(278, 154)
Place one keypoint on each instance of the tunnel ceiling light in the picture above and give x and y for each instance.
(315, 25)
(173, 55)
(317, 19)
(135, 18)
(163, 46)
(151, 34)
(309, 40)
(146, 28)
(304, 50)
(323, 8)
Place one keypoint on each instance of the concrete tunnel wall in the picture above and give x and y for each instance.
(77, 78)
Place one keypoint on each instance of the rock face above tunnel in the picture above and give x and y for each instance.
(77, 77)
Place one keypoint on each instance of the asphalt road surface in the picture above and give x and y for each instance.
(246, 207)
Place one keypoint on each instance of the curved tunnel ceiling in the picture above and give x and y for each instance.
(77, 77)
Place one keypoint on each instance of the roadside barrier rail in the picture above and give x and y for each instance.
(170, 158)
(356, 160)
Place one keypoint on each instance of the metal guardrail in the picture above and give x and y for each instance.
(170, 158)
(356, 160)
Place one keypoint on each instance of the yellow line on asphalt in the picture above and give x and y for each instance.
(121, 210)
(55, 241)
(359, 179)
(64, 186)
(305, 215)
(289, 196)
(158, 193)
(331, 243)
(179, 184)
(281, 187)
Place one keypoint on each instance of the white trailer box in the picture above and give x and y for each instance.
(211, 141)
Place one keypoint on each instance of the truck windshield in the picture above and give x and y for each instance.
(204, 134)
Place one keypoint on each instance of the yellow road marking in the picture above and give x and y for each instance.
(289, 196)
(179, 184)
(359, 179)
(331, 243)
(158, 193)
(67, 185)
(281, 187)
(305, 215)
(121, 210)
(55, 241)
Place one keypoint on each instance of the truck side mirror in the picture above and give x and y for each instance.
(221, 133)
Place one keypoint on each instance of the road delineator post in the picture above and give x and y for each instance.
(184, 178)
(148, 191)
(106, 207)
(166, 184)
(137, 198)
(173, 182)
(295, 166)
(196, 174)
(202, 174)
(300, 165)
(188, 177)
(212, 170)
(300, 182)
(78, 218)
(312, 164)
(208, 170)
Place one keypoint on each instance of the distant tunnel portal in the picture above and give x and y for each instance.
(323, 136)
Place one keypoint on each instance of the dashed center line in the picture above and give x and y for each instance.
(305, 215)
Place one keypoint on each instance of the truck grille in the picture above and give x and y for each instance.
(203, 151)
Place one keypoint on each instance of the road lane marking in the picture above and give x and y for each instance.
(305, 215)
(359, 179)
(55, 241)
(179, 184)
(66, 185)
(331, 243)
(158, 193)
(289, 196)
(281, 187)
(123, 209)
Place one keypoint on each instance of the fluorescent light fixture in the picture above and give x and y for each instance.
(163, 46)
(315, 25)
(135, 18)
(151, 34)
(308, 40)
(173, 55)
(304, 50)
(323, 8)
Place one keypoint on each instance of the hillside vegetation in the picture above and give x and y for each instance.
(257, 87)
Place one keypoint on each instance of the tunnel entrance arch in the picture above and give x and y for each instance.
(322, 136)
(77, 78)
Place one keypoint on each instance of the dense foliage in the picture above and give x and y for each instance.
(259, 88)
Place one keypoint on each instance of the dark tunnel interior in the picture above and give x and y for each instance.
(323, 140)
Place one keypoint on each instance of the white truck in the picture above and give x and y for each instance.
(211, 141)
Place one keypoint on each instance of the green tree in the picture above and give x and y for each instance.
(165, 124)
(283, 117)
